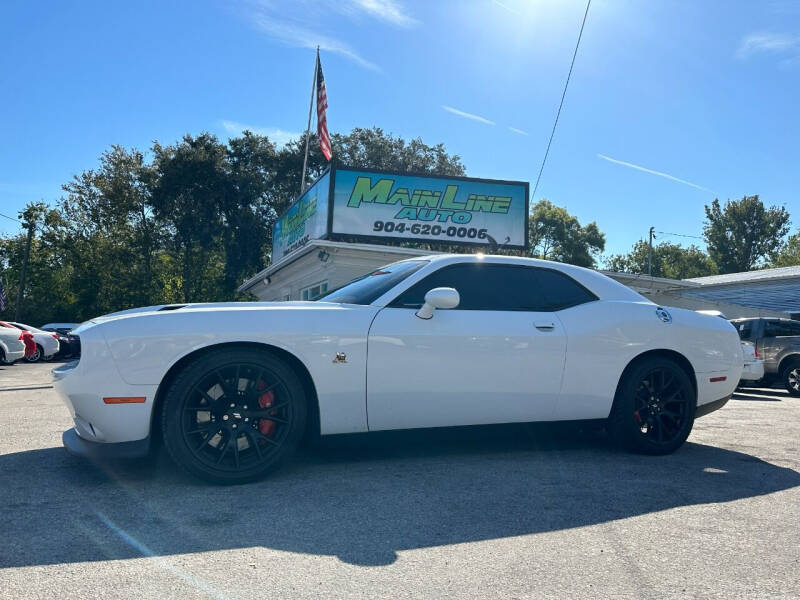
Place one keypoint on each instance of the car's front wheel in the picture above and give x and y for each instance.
(790, 375)
(232, 416)
(654, 408)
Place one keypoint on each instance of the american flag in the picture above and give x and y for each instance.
(322, 108)
(3, 298)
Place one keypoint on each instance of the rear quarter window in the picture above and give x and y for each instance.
(560, 291)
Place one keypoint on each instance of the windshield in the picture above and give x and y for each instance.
(368, 288)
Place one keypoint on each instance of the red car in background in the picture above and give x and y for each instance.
(26, 337)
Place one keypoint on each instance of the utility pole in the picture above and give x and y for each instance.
(31, 227)
(650, 253)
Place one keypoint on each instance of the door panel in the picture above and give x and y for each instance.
(462, 367)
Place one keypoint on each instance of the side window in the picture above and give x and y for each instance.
(782, 328)
(745, 329)
(773, 329)
(770, 329)
(314, 291)
(489, 286)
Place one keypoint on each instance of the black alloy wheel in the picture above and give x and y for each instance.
(234, 415)
(791, 377)
(654, 408)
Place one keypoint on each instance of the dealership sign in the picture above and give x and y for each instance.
(306, 219)
(369, 205)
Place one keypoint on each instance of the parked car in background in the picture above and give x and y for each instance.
(60, 327)
(70, 344)
(12, 346)
(47, 344)
(25, 336)
(753, 370)
(777, 343)
(753, 366)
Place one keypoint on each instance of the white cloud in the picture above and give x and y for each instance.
(506, 7)
(279, 136)
(769, 43)
(519, 131)
(297, 36)
(467, 115)
(652, 172)
(386, 10)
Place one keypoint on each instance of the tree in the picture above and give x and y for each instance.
(248, 210)
(42, 273)
(108, 236)
(187, 226)
(190, 188)
(669, 260)
(744, 234)
(372, 148)
(557, 235)
(790, 254)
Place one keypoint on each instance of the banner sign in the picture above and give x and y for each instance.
(429, 208)
(372, 206)
(306, 219)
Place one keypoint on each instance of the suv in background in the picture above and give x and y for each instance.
(777, 343)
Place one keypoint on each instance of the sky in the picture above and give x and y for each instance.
(671, 103)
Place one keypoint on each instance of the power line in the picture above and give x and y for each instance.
(697, 237)
(563, 95)
(12, 218)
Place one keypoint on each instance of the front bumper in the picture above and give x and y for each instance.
(84, 384)
(78, 446)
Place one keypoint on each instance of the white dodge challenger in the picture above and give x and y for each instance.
(232, 388)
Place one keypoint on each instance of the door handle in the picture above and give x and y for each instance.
(545, 325)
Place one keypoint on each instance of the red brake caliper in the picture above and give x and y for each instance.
(265, 400)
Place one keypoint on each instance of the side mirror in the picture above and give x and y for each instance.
(441, 297)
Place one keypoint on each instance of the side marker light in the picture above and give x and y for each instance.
(125, 400)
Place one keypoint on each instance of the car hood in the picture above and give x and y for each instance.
(167, 309)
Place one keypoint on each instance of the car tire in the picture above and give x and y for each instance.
(233, 416)
(654, 407)
(790, 377)
(36, 356)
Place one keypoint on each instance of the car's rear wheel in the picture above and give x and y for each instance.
(233, 416)
(36, 356)
(790, 375)
(654, 408)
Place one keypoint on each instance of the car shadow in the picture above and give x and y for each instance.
(361, 498)
(760, 395)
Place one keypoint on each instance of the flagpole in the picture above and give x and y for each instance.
(308, 126)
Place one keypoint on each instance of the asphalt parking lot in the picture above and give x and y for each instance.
(499, 512)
